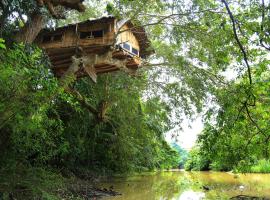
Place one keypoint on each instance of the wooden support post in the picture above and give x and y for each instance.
(69, 75)
(91, 71)
(89, 62)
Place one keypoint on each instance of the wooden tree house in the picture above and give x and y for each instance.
(96, 46)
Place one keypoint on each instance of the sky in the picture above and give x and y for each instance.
(186, 137)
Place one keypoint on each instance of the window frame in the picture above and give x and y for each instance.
(131, 48)
(90, 35)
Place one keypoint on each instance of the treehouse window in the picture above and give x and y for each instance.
(50, 38)
(126, 46)
(129, 48)
(46, 38)
(97, 34)
(85, 35)
(91, 34)
(57, 37)
(135, 51)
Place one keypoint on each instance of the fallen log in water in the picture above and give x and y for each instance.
(246, 197)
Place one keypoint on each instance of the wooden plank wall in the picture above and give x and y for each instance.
(70, 39)
(128, 36)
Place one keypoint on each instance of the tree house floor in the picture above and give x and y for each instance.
(100, 59)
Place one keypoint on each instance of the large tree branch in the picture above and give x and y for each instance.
(237, 40)
(253, 121)
(82, 100)
(68, 4)
(99, 112)
(31, 29)
(261, 34)
(70, 76)
(36, 21)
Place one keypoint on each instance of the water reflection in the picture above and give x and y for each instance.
(189, 185)
(191, 195)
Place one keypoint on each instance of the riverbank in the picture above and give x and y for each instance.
(198, 162)
(84, 189)
(51, 184)
(165, 184)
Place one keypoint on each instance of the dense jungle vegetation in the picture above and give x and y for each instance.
(211, 57)
(239, 139)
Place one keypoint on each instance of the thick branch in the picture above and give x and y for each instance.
(253, 121)
(31, 29)
(262, 28)
(237, 40)
(82, 100)
(71, 4)
(68, 4)
(69, 77)
(99, 112)
(36, 22)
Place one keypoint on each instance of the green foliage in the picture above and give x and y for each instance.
(182, 153)
(132, 132)
(262, 166)
(21, 182)
(258, 166)
(30, 129)
(239, 138)
(28, 125)
(197, 161)
(2, 44)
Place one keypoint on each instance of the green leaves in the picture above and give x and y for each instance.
(26, 94)
(132, 137)
(240, 130)
(2, 43)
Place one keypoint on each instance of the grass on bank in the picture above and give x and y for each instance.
(30, 183)
(26, 182)
(263, 166)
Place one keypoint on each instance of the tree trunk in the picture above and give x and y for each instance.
(31, 29)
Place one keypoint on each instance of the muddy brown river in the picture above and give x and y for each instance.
(181, 185)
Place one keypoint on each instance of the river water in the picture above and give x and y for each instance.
(181, 185)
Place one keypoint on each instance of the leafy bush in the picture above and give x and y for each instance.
(23, 182)
(263, 166)
(29, 126)
(197, 161)
(30, 129)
